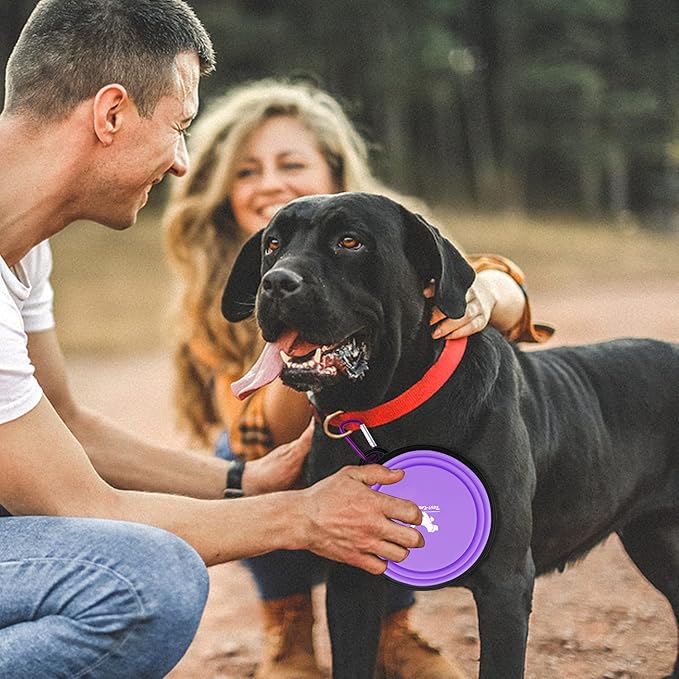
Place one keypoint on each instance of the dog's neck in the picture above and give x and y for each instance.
(416, 359)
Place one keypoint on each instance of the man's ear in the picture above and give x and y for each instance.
(238, 300)
(436, 258)
(111, 106)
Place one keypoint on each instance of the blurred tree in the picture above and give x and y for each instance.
(652, 127)
(13, 15)
(552, 101)
(586, 95)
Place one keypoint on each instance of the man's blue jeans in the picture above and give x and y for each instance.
(95, 598)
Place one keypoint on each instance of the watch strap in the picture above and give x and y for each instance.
(234, 479)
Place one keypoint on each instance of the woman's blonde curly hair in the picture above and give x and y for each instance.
(202, 237)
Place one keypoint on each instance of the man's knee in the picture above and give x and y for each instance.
(148, 580)
(107, 598)
(175, 581)
(171, 583)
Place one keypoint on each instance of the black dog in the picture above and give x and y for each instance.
(575, 443)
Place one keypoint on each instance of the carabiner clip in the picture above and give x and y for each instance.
(374, 454)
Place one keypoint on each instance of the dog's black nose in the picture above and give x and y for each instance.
(280, 283)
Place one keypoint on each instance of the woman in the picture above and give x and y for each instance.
(259, 147)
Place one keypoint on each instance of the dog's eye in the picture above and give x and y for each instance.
(350, 243)
(272, 245)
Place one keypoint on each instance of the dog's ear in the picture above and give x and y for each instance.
(238, 300)
(435, 257)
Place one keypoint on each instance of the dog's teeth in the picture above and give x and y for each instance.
(317, 355)
(285, 358)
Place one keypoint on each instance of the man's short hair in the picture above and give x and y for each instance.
(70, 49)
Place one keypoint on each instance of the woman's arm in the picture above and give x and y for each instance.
(497, 298)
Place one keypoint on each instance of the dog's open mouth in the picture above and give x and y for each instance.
(306, 365)
(348, 357)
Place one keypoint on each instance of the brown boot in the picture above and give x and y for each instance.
(288, 651)
(403, 654)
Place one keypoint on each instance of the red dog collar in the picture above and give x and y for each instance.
(409, 400)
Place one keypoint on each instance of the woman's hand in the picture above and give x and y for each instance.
(480, 305)
(280, 469)
(494, 298)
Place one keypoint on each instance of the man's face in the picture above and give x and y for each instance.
(149, 148)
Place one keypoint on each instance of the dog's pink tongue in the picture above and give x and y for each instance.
(267, 368)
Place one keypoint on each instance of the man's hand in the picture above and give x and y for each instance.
(345, 520)
(279, 469)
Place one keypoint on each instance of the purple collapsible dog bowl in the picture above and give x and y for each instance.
(456, 511)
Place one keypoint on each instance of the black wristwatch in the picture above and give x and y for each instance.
(234, 478)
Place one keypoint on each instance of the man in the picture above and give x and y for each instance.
(99, 94)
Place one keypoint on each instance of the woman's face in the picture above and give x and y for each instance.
(279, 161)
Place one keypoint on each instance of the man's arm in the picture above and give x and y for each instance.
(126, 461)
(44, 470)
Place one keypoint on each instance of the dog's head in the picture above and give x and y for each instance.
(337, 283)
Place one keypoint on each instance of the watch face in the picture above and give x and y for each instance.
(456, 516)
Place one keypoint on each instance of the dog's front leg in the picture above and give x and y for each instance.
(355, 603)
(503, 603)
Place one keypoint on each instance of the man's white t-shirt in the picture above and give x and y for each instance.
(25, 306)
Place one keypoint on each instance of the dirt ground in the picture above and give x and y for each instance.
(598, 620)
